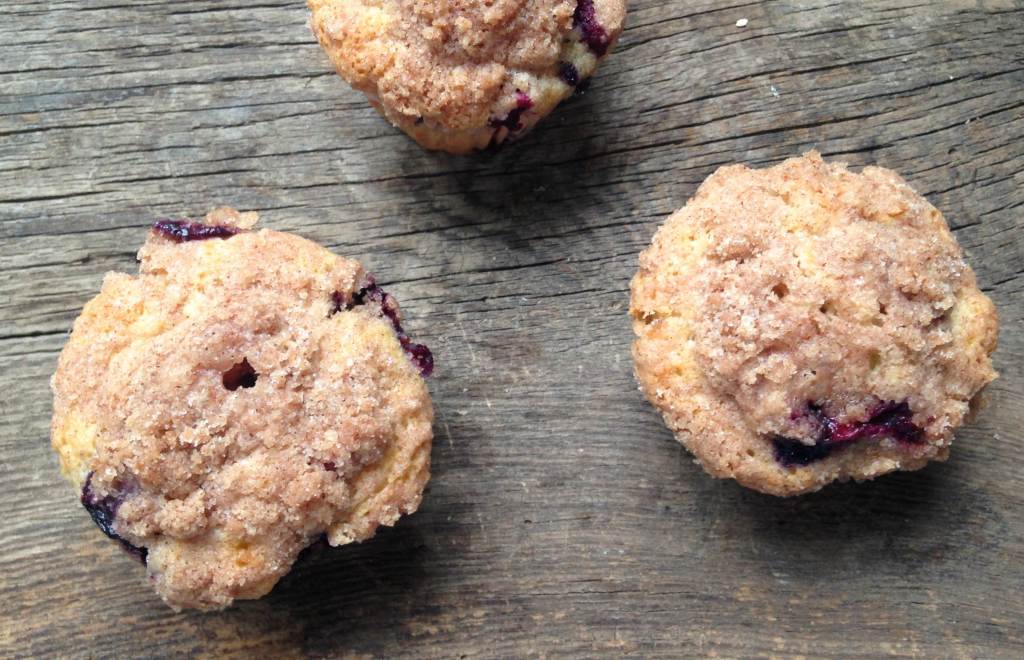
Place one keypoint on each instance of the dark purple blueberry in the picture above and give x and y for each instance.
(593, 34)
(897, 421)
(888, 419)
(418, 353)
(338, 303)
(569, 74)
(181, 231)
(240, 375)
(374, 294)
(793, 452)
(512, 120)
(103, 511)
(420, 356)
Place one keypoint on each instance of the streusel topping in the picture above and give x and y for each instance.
(238, 399)
(807, 303)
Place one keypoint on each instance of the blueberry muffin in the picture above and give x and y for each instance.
(803, 324)
(460, 75)
(249, 393)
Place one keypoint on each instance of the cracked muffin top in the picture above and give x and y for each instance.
(804, 323)
(460, 75)
(245, 395)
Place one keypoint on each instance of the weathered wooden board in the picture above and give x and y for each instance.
(562, 519)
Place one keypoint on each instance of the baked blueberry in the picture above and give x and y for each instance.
(374, 295)
(103, 511)
(591, 29)
(568, 73)
(888, 420)
(185, 230)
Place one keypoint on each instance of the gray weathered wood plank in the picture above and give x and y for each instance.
(561, 519)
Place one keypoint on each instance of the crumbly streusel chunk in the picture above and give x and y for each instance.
(246, 394)
(803, 323)
(459, 75)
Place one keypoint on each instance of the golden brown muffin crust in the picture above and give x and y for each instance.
(447, 71)
(229, 411)
(782, 297)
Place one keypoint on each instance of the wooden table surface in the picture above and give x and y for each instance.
(562, 518)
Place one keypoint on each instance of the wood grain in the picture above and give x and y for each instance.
(562, 519)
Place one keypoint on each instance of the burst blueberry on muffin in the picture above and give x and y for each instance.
(460, 75)
(243, 395)
(803, 324)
